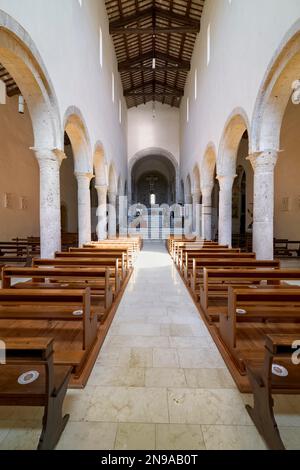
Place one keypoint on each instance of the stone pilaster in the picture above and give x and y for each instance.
(207, 211)
(112, 214)
(101, 212)
(225, 209)
(196, 213)
(49, 161)
(263, 164)
(84, 207)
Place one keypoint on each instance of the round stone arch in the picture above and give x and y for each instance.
(275, 92)
(196, 186)
(100, 165)
(208, 166)
(236, 125)
(20, 57)
(112, 179)
(153, 151)
(75, 127)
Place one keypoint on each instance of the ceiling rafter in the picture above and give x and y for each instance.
(154, 42)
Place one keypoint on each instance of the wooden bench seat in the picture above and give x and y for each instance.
(196, 277)
(216, 282)
(278, 350)
(267, 311)
(58, 304)
(48, 390)
(181, 254)
(187, 267)
(99, 280)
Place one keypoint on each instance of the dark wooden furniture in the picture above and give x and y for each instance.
(279, 350)
(27, 355)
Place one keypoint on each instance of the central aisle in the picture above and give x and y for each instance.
(159, 381)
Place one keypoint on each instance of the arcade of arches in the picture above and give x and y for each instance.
(152, 131)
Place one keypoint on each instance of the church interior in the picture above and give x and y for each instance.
(149, 225)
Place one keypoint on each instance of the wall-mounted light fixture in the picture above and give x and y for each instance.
(21, 106)
(2, 92)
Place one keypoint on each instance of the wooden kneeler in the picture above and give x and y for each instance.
(278, 348)
(24, 357)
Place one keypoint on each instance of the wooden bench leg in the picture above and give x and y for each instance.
(54, 422)
(262, 413)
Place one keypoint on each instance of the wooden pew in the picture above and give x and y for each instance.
(214, 290)
(273, 310)
(112, 263)
(187, 266)
(125, 255)
(97, 279)
(199, 264)
(56, 305)
(181, 254)
(278, 351)
(47, 391)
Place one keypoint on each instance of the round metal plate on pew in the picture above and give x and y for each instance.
(28, 377)
(241, 311)
(280, 371)
(78, 313)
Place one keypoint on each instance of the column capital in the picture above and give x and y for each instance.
(82, 175)
(226, 181)
(265, 160)
(52, 154)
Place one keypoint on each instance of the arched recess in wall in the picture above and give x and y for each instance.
(275, 131)
(234, 168)
(210, 193)
(77, 165)
(20, 57)
(155, 151)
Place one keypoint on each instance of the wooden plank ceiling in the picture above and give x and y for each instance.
(12, 88)
(154, 42)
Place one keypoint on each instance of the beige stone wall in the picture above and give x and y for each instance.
(19, 174)
(287, 177)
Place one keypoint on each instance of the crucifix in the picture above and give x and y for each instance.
(152, 180)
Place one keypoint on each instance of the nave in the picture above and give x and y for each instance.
(159, 381)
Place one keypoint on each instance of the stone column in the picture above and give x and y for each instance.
(196, 213)
(84, 207)
(188, 215)
(207, 211)
(263, 164)
(225, 209)
(49, 161)
(112, 215)
(101, 212)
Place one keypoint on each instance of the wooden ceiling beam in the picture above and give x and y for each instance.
(148, 13)
(157, 30)
(127, 65)
(153, 83)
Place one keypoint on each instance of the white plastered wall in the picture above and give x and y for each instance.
(245, 36)
(146, 131)
(66, 35)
